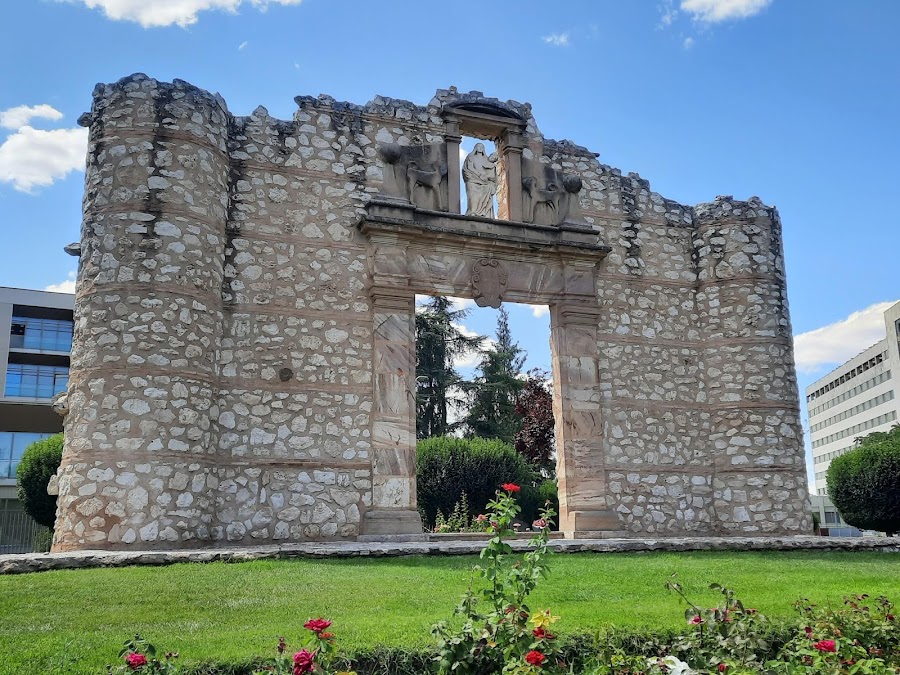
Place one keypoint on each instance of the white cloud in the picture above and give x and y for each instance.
(714, 11)
(688, 42)
(839, 341)
(154, 13)
(21, 115)
(667, 14)
(67, 286)
(243, 46)
(471, 359)
(539, 310)
(32, 158)
(557, 39)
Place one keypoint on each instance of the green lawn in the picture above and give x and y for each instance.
(230, 612)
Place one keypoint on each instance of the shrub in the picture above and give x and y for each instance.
(864, 484)
(447, 467)
(39, 463)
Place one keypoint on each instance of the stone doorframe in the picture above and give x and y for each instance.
(410, 251)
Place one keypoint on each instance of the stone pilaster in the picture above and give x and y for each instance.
(393, 510)
(576, 407)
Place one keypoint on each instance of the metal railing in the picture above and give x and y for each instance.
(20, 533)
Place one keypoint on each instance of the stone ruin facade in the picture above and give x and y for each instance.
(243, 370)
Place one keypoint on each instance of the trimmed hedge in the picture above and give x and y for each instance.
(39, 463)
(864, 484)
(446, 467)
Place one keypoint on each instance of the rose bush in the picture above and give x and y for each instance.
(494, 631)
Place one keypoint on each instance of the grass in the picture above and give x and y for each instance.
(231, 612)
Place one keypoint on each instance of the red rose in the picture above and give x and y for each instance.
(535, 658)
(539, 633)
(540, 523)
(317, 625)
(303, 662)
(722, 667)
(697, 619)
(134, 660)
(825, 646)
(510, 487)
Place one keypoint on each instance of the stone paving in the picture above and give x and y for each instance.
(40, 562)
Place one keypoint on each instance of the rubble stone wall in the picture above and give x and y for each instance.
(223, 384)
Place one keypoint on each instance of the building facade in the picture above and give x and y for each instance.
(243, 369)
(857, 398)
(35, 341)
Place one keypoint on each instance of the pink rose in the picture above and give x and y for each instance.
(304, 662)
(134, 660)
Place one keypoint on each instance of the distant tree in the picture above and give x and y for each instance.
(494, 391)
(439, 342)
(39, 463)
(864, 484)
(534, 407)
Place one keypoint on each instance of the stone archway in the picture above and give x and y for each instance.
(416, 251)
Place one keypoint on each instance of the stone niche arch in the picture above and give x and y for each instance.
(412, 250)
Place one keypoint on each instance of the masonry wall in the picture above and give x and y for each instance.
(222, 376)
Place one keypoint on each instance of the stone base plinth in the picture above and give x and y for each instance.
(589, 523)
(387, 522)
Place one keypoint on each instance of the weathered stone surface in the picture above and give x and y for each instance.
(434, 545)
(243, 363)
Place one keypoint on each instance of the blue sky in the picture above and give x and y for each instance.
(796, 102)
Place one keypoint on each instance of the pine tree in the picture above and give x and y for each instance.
(439, 342)
(494, 391)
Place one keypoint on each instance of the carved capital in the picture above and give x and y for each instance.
(392, 299)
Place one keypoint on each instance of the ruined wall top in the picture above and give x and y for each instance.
(182, 105)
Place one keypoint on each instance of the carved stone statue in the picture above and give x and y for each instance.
(480, 176)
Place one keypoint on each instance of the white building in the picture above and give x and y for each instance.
(855, 399)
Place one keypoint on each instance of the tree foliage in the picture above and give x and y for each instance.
(39, 463)
(534, 407)
(864, 484)
(494, 391)
(448, 467)
(439, 341)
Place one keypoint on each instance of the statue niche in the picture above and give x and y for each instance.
(417, 174)
(480, 176)
(548, 196)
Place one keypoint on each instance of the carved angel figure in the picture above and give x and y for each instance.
(480, 176)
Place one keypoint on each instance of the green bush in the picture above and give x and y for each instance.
(39, 462)
(864, 484)
(447, 467)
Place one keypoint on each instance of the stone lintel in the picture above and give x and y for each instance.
(571, 240)
(480, 123)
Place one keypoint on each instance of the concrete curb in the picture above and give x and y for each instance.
(43, 562)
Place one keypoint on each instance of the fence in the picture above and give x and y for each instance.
(19, 533)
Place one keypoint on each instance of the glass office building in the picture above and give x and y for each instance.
(35, 341)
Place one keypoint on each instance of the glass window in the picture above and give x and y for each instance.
(12, 445)
(832, 517)
(41, 334)
(35, 381)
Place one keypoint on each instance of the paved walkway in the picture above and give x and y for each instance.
(39, 562)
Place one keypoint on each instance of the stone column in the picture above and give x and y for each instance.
(580, 468)
(511, 145)
(453, 139)
(394, 415)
